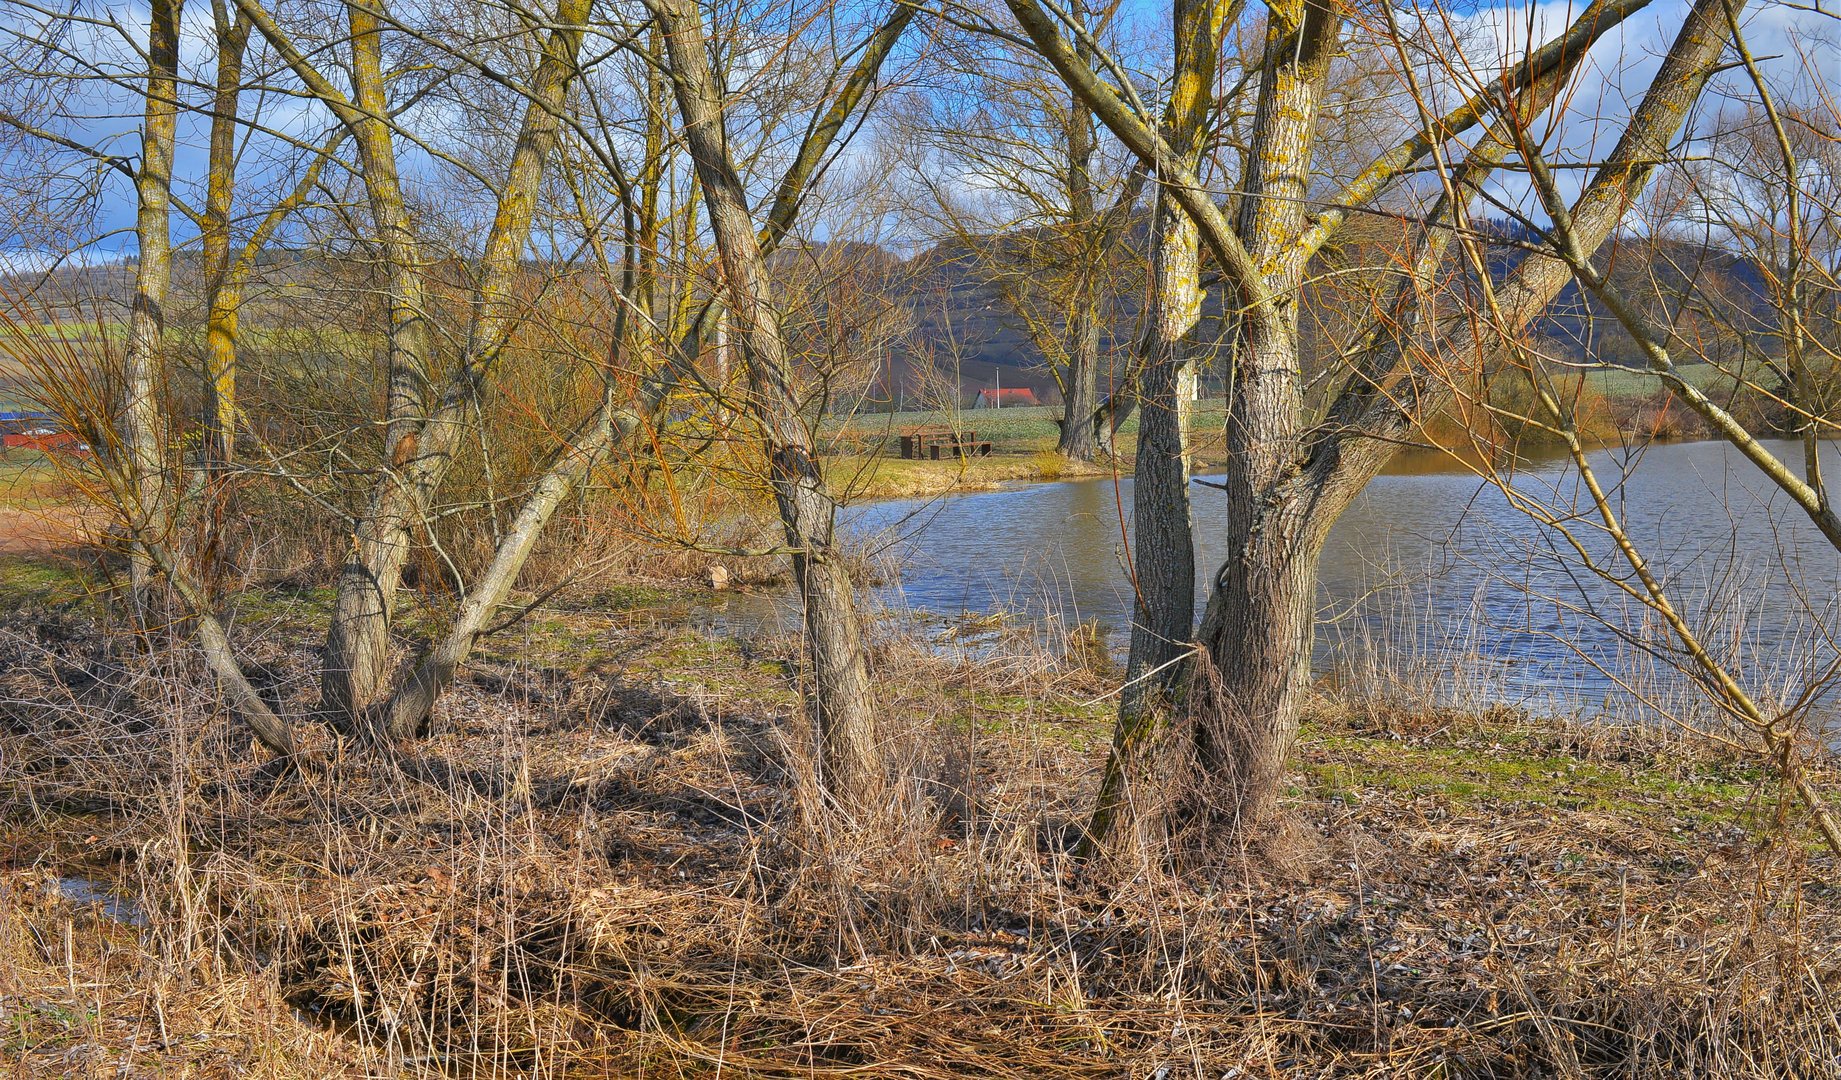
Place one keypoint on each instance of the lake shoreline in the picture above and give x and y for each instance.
(896, 480)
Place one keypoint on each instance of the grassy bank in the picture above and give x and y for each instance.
(1621, 403)
(607, 867)
(1022, 448)
(898, 478)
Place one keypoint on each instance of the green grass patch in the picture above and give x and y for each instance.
(1506, 769)
(28, 583)
(1623, 383)
(28, 480)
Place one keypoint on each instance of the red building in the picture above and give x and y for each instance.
(1008, 397)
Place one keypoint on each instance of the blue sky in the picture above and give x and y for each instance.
(1620, 67)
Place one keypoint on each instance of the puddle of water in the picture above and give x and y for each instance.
(93, 892)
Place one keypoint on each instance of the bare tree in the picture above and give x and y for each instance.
(840, 699)
(1014, 184)
(1769, 204)
(1289, 478)
(422, 434)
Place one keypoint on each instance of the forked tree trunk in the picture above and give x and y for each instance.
(1286, 483)
(419, 443)
(839, 698)
(1289, 486)
(409, 708)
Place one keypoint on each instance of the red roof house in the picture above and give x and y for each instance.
(1007, 396)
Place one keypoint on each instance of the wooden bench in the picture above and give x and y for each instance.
(964, 448)
(915, 441)
(936, 442)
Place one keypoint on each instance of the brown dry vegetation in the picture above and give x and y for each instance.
(604, 868)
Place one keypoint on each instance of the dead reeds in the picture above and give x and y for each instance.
(607, 867)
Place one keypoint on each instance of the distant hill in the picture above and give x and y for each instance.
(960, 300)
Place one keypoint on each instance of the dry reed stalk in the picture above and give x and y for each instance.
(613, 868)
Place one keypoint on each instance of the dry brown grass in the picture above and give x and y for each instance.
(609, 867)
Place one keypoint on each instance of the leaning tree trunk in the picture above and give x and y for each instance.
(839, 697)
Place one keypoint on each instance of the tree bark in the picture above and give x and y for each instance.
(1258, 626)
(1163, 558)
(143, 383)
(1080, 416)
(1163, 524)
(1079, 439)
(221, 299)
(839, 698)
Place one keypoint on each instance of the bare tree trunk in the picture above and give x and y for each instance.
(221, 297)
(1247, 703)
(220, 304)
(358, 638)
(1163, 556)
(357, 641)
(420, 447)
(1078, 437)
(144, 433)
(1259, 622)
(1258, 632)
(1081, 438)
(410, 707)
(839, 700)
(408, 331)
(1163, 524)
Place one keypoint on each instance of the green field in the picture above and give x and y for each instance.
(1033, 428)
(1019, 430)
(1617, 382)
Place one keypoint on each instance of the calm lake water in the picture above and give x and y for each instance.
(1433, 575)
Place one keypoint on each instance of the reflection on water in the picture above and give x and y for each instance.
(1432, 564)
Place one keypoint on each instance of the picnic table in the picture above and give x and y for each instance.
(934, 442)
